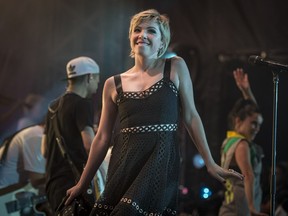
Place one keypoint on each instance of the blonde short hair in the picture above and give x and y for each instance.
(163, 22)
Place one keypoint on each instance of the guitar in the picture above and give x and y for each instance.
(20, 200)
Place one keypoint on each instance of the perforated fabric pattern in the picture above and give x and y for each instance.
(144, 169)
(150, 128)
(146, 93)
(157, 179)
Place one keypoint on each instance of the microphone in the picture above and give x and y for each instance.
(257, 60)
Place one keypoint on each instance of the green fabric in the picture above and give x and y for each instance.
(229, 143)
(232, 140)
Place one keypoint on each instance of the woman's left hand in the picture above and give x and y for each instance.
(222, 174)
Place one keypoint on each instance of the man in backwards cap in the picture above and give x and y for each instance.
(74, 112)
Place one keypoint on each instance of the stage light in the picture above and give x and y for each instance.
(205, 192)
(184, 190)
(198, 161)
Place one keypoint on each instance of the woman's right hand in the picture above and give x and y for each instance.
(72, 193)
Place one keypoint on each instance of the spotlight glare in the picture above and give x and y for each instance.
(205, 193)
(184, 190)
(198, 161)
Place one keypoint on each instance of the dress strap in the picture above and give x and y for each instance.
(167, 69)
(118, 83)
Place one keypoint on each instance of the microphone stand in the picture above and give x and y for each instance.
(274, 141)
(276, 69)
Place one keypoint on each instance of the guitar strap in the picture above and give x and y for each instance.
(62, 146)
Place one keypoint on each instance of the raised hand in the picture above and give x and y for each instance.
(241, 79)
(242, 82)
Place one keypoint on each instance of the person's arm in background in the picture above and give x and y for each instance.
(242, 157)
(242, 82)
(87, 135)
(44, 146)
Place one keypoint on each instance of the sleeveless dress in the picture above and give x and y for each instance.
(144, 167)
(235, 201)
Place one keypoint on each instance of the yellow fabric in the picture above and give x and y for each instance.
(234, 134)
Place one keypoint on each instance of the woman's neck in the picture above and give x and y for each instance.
(145, 64)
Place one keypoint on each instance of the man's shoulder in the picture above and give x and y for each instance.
(75, 98)
(34, 130)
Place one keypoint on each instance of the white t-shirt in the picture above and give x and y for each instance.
(24, 154)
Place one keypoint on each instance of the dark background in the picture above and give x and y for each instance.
(38, 37)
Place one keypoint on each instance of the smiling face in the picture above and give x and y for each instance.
(146, 39)
(245, 118)
(250, 126)
(153, 31)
